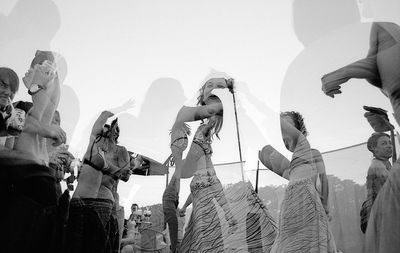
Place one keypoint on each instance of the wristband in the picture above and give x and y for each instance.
(35, 88)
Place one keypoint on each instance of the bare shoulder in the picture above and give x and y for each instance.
(121, 150)
(376, 167)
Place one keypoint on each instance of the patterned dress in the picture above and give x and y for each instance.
(224, 220)
(303, 224)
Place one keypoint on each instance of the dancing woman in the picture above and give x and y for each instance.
(198, 158)
(315, 171)
(215, 225)
(117, 156)
(381, 69)
(303, 224)
(92, 202)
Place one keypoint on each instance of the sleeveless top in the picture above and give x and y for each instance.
(203, 141)
(203, 177)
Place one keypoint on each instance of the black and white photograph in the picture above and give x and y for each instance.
(174, 126)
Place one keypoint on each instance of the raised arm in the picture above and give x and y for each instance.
(362, 69)
(289, 130)
(274, 161)
(45, 130)
(189, 114)
(100, 122)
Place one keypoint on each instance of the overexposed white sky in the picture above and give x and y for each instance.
(116, 50)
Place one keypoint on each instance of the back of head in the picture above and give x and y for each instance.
(298, 121)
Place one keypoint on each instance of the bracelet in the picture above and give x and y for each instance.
(35, 88)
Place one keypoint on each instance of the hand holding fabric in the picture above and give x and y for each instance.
(378, 119)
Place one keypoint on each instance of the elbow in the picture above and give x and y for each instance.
(211, 111)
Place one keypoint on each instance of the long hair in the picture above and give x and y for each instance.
(115, 121)
(215, 125)
(298, 121)
(107, 131)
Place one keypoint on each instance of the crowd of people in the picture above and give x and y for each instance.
(34, 158)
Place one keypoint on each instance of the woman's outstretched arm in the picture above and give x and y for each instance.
(189, 114)
(100, 122)
(274, 161)
(363, 69)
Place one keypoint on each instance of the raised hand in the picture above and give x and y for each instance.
(124, 107)
(182, 212)
(378, 122)
(42, 75)
(331, 85)
(128, 104)
(230, 84)
(60, 157)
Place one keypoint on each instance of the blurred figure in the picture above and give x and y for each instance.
(302, 202)
(207, 230)
(198, 163)
(91, 204)
(59, 157)
(118, 156)
(9, 84)
(31, 186)
(379, 68)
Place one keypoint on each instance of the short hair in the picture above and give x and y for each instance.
(373, 140)
(12, 78)
(298, 120)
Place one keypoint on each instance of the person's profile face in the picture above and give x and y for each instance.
(383, 147)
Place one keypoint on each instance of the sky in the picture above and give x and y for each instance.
(158, 53)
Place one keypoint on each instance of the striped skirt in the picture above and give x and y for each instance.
(227, 220)
(303, 224)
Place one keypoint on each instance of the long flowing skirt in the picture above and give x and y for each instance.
(208, 229)
(303, 224)
(383, 230)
